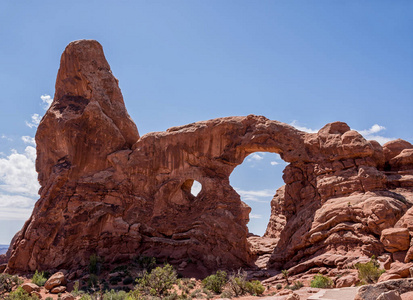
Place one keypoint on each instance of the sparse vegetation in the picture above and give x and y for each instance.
(158, 282)
(369, 272)
(285, 274)
(321, 281)
(95, 264)
(238, 283)
(39, 278)
(8, 282)
(215, 282)
(296, 286)
(255, 287)
(20, 294)
(112, 295)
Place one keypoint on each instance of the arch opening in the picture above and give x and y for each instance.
(192, 187)
(256, 180)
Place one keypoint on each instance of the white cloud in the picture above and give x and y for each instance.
(256, 196)
(18, 174)
(35, 121)
(15, 201)
(47, 101)
(274, 163)
(15, 213)
(28, 140)
(302, 128)
(370, 134)
(255, 216)
(3, 136)
(381, 139)
(255, 157)
(373, 129)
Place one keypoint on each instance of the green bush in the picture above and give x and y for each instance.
(95, 264)
(279, 286)
(39, 278)
(215, 282)
(226, 294)
(20, 294)
(93, 280)
(321, 281)
(8, 282)
(134, 295)
(159, 281)
(255, 287)
(285, 274)
(238, 283)
(296, 286)
(369, 272)
(112, 295)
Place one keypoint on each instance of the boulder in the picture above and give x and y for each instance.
(390, 295)
(30, 287)
(395, 239)
(373, 291)
(346, 281)
(293, 296)
(58, 289)
(68, 297)
(57, 279)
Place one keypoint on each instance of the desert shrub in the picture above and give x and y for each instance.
(238, 283)
(20, 294)
(227, 294)
(296, 286)
(369, 272)
(215, 282)
(173, 296)
(159, 281)
(278, 286)
(197, 293)
(207, 293)
(93, 280)
(95, 264)
(49, 298)
(8, 282)
(285, 274)
(134, 295)
(255, 287)
(39, 278)
(112, 295)
(321, 281)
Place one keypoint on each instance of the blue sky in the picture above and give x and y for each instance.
(305, 63)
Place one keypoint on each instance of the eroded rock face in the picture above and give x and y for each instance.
(107, 191)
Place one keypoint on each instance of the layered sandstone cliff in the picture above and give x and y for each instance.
(107, 191)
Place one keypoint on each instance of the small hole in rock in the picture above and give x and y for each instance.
(192, 186)
(196, 188)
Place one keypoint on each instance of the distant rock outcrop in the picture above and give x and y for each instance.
(107, 191)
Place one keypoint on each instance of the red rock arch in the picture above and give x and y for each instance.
(105, 190)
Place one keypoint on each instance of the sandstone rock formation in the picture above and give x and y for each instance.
(107, 191)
